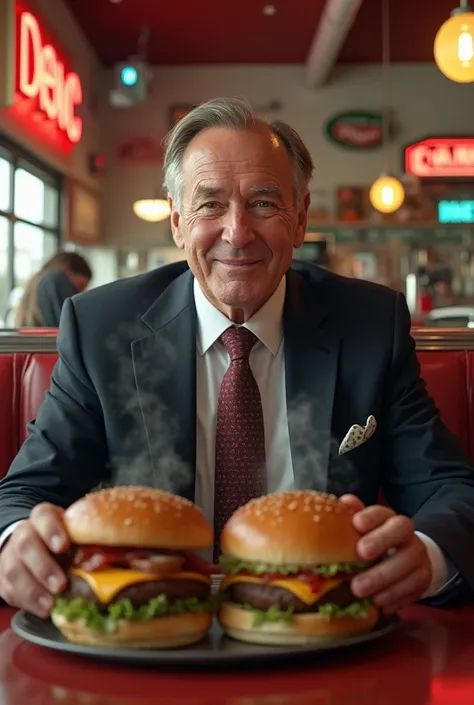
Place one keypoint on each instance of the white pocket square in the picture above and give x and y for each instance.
(357, 435)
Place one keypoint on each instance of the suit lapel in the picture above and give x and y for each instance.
(164, 365)
(311, 362)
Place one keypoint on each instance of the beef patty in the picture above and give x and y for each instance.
(262, 597)
(141, 593)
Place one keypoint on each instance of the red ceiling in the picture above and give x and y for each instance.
(237, 31)
(413, 27)
(200, 31)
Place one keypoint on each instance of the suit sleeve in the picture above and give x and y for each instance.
(65, 455)
(427, 475)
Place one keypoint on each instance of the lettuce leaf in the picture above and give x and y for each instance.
(233, 566)
(105, 618)
(274, 614)
(357, 610)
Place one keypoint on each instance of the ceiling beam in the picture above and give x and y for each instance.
(336, 20)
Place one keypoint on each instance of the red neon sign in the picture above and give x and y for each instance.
(441, 157)
(45, 91)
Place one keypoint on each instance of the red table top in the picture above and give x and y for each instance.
(429, 660)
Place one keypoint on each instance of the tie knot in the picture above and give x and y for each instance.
(238, 342)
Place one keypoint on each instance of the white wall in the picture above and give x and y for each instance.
(425, 103)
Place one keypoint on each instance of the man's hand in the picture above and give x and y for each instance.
(403, 571)
(29, 574)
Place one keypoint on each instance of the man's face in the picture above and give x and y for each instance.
(239, 220)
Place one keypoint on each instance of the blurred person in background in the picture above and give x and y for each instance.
(441, 281)
(61, 277)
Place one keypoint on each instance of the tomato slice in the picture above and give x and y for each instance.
(195, 563)
(314, 580)
(91, 558)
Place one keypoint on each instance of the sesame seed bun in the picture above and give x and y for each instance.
(298, 527)
(163, 633)
(305, 628)
(137, 516)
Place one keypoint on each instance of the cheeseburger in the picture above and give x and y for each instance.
(289, 559)
(134, 581)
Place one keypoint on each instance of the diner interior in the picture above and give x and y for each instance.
(382, 93)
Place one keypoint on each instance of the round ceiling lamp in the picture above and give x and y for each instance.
(387, 194)
(454, 45)
(152, 210)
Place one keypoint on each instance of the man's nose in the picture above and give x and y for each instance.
(237, 228)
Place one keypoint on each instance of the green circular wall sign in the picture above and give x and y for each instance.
(357, 129)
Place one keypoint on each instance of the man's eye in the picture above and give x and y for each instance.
(209, 205)
(264, 204)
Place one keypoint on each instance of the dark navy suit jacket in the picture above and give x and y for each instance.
(122, 403)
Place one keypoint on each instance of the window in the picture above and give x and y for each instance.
(4, 226)
(5, 184)
(32, 246)
(35, 201)
(29, 221)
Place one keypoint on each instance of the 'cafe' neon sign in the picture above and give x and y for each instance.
(42, 82)
(440, 157)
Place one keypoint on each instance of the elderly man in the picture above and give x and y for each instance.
(239, 373)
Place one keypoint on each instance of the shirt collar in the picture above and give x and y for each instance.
(266, 323)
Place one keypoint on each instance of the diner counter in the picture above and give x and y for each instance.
(428, 660)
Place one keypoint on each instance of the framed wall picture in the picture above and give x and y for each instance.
(85, 206)
(136, 150)
(351, 204)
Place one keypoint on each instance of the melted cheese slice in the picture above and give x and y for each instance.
(107, 583)
(297, 587)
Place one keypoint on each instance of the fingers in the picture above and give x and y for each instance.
(394, 532)
(37, 559)
(47, 521)
(30, 576)
(23, 591)
(371, 517)
(352, 501)
(399, 579)
(405, 591)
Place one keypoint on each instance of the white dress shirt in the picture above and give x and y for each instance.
(268, 366)
(267, 361)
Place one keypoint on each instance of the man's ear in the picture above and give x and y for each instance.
(175, 222)
(302, 221)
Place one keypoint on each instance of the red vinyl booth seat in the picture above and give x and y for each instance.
(34, 382)
(25, 379)
(8, 411)
(445, 374)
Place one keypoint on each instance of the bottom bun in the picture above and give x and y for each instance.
(302, 629)
(163, 633)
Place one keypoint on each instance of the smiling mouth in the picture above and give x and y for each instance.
(239, 262)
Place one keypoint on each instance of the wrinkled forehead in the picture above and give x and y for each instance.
(223, 150)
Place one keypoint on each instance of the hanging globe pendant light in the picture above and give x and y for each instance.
(454, 45)
(387, 193)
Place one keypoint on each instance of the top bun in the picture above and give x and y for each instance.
(139, 517)
(299, 527)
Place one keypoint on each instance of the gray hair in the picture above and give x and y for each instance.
(234, 113)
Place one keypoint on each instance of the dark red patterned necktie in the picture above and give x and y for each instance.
(240, 473)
